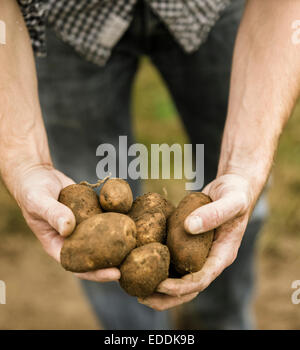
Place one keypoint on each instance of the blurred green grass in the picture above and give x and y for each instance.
(155, 115)
(284, 193)
(155, 120)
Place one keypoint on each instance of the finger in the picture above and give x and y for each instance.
(50, 240)
(176, 287)
(64, 179)
(215, 214)
(161, 302)
(103, 275)
(59, 216)
(221, 256)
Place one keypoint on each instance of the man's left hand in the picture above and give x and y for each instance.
(233, 201)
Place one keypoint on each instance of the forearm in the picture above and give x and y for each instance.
(264, 87)
(23, 141)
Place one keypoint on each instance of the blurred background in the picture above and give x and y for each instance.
(41, 295)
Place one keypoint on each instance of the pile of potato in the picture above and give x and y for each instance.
(139, 237)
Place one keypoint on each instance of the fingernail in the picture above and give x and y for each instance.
(111, 276)
(61, 222)
(161, 289)
(195, 224)
(116, 276)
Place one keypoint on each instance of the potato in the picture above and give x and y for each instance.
(82, 200)
(116, 196)
(188, 252)
(150, 227)
(150, 201)
(150, 213)
(99, 242)
(144, 268)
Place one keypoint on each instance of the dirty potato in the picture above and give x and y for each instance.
(150, 201)
(144, 269)
(116, 196)
(188, 252)
(151, 227)
(82, 200)
(102, 241)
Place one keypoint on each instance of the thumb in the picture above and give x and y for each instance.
(215, 214)
(59, 216)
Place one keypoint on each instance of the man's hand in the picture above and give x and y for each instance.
(229, 213)
(36, 193)
(25, 162)
(265, 84)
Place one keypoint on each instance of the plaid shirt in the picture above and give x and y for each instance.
(93, 27)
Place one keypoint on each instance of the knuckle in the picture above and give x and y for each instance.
(31, 200)
(49, 213)
(243, 202)
(180, 291)
(31, 222)
(232, 257)
(219, 266)
(216, 217)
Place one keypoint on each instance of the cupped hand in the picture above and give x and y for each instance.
(233, 201)
(37, 195)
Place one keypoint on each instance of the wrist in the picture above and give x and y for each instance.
(248, 154)
(13, 173)
(255, 174)
(22, 151)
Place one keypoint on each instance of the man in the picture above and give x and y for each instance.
(84, 87)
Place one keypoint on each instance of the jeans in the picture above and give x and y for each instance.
(85, 105)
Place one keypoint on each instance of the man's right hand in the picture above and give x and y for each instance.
(23, 141)
(37, 193)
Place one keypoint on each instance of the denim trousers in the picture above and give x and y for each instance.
(85, 105)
